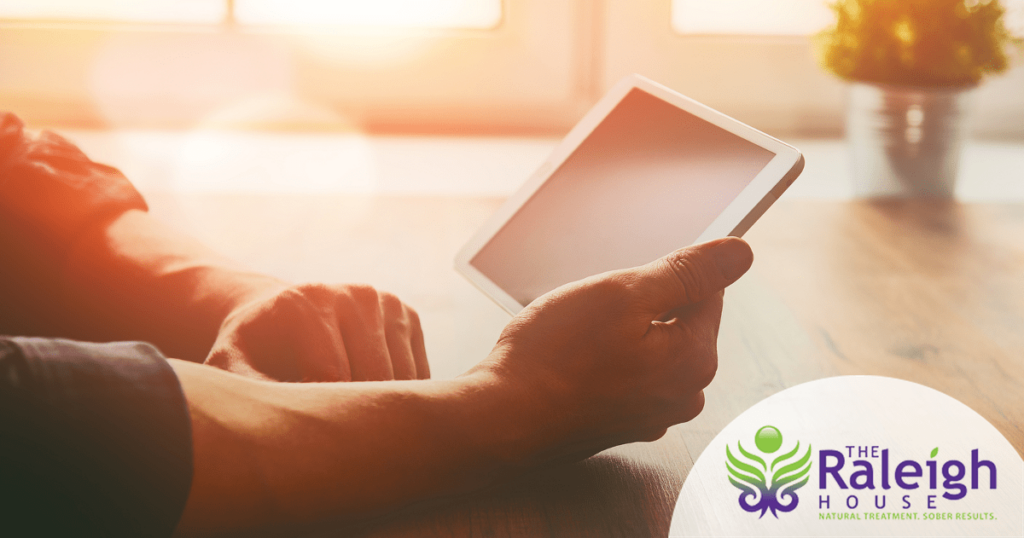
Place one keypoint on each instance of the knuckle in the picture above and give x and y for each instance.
(613, 288)
(398, 310)
(689, 275)
(367, 300)
(390, 301)
(414, 316)
(630, 282)
(290, 303)
(363, 292)
(310, 291)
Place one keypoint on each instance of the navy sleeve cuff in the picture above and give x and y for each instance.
(95, 439)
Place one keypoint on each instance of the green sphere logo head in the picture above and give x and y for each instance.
(768, 439)
(768, 483)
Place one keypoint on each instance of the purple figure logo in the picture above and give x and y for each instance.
(765, 487)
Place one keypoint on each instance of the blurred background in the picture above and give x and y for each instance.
(496, 67)
(338, 140)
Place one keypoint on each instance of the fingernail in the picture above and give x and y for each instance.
(733, 257)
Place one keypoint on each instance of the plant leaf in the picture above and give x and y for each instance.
(935, 451)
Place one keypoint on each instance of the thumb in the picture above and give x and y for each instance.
(690, 275)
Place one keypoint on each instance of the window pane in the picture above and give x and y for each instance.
(191, 11)
(777, 17)
(1015, 16)
(392, 13)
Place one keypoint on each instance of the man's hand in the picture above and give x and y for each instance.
(316, 332)
(608, 360)
(615, 358)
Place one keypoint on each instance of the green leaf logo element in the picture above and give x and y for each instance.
(794, 471)
(775, 488)
(935, 452)
(742, 471)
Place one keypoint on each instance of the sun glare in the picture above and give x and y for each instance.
(783, 17)
(376, 13)
(180, 11)
(480, 14)
(759, 17)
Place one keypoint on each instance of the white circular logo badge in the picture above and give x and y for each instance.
(855, 456)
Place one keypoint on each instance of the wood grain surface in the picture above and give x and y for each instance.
(927, 291)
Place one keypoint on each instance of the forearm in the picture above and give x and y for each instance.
(269, 454)
(137, 279)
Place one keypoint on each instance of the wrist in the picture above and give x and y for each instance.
(518, 428)
(154, 284)
(238, 289)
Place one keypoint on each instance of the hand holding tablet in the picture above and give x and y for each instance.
(614, 358)
(645, 172)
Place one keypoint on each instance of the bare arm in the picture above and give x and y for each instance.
(82, 259)
(612, 359)
(134, 278)
(290, 454)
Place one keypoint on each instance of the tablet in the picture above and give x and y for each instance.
(645, 172)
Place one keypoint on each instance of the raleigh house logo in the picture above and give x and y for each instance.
(765, 486)
(855, 456)
(768, 483)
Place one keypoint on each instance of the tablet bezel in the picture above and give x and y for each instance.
(734, 220)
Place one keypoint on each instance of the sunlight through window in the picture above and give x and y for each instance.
(372, 13)
(758, 17)
(180, 11)
(777, 17)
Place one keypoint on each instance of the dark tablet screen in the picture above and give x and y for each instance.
(648, 180)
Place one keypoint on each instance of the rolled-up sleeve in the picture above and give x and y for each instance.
(95, 439)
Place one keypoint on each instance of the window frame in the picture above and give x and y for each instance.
(525, 75)
(793, 95)
(537, 72)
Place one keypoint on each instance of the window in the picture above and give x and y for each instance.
(380, 65)
(388, 13)
(750, 17)
(174, 11)
(393, 13)
(456, 66)
(777, 17)
(753, 60)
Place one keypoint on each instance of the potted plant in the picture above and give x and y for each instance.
(912, 65)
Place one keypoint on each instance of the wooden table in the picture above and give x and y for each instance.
(927, 291)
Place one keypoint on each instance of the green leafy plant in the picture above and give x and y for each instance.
(916, 42)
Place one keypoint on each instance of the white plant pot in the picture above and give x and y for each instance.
(906, 141)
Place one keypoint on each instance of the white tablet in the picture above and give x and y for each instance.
(645, 172)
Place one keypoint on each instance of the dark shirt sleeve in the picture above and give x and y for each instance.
(95, 439)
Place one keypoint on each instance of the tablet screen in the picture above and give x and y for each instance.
(648, 180)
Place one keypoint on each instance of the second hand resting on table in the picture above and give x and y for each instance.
(612, 359)
(608, 360)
